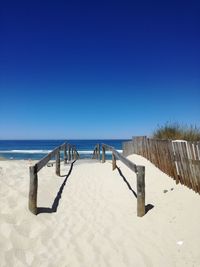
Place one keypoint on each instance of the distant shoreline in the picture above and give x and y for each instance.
(37, 149)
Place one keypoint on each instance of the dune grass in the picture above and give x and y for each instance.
(176, 131)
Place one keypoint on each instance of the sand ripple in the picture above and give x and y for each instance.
(95, 223)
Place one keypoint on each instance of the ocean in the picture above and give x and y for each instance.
(37, 149)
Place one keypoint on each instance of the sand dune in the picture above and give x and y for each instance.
(89, 219)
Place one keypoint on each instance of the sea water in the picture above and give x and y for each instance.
(37, 149)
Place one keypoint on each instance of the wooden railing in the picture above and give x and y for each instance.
(140, 173)
(70, 153)
(96, 153)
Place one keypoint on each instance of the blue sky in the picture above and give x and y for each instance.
(108, 69)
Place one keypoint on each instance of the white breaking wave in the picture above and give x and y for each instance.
(85, 151)
(26, 151)
(47, 151)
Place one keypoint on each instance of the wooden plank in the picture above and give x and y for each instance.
(69, 152)
(33, 190)
(181, 163)
(148, 149)
(65, 154)
(188, 174)
(127, 162)
(114, 165)
(162, 152)
(75, 153)
(94, 153)
(40, 164)
(178, 162)
(145, 147)
(172, 164)
(140, 191)
(58, 163)
(193, 164)
(46, 159)
(98, 151)
(78, 156)
(103, 154)
(197, 167)
(159, 154)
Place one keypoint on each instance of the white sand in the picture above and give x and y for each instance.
(95, 224)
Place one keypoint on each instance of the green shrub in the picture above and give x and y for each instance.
(176, 131)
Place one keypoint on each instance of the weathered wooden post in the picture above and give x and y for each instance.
(103, 154)
(65, 154)
(33, 190)
(94, 153)
(114, 165)
(77, 155)
(58, 163)
(73, 153)
(98, 151)
(140, 191)
(69, 152)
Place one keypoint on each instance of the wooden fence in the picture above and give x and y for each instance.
(70, 153)
(139, 170)
(178, 159)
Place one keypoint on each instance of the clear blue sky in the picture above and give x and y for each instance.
(106, 69)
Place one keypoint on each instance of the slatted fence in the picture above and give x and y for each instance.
(178, 159)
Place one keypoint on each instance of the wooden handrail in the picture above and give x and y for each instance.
(68, 155)
(119, 156)
(140, 173)
(48, 157)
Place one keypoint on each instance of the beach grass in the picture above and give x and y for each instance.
(177, 131)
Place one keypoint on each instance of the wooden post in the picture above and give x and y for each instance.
(74, 153)
(65, 154)
(33, 190)
(103, 154)
(140, 191)
(98, 151)
(69, 152)
(114, 166)
(58, 163)
(94, 153)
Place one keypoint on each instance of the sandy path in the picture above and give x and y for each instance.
(95, 222)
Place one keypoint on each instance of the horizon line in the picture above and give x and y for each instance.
(62, 139)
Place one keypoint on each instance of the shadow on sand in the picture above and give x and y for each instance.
(148, 207)
(58, 196)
